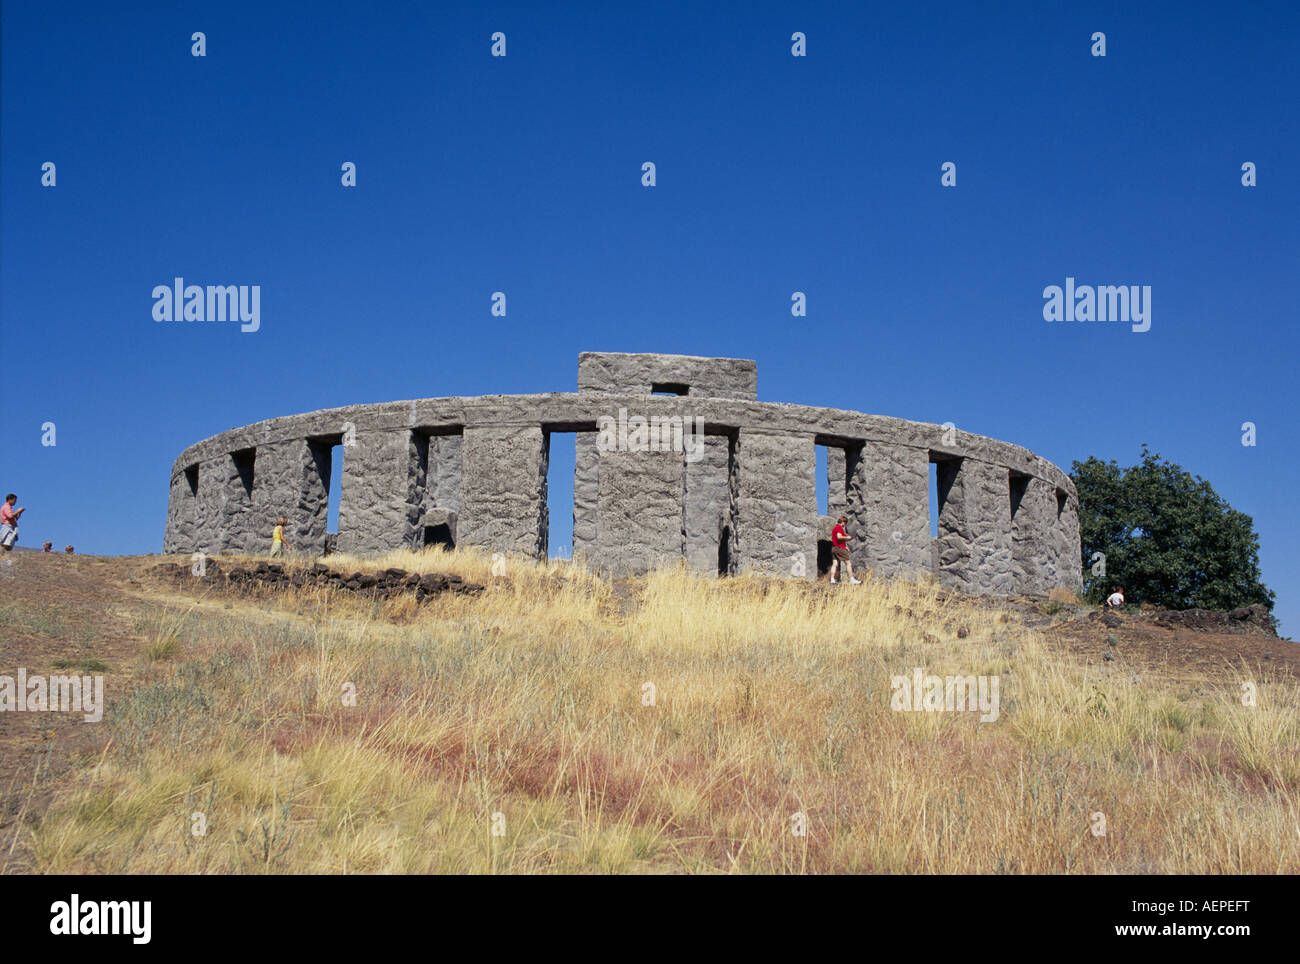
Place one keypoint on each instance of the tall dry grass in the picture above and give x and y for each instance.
(561, 723)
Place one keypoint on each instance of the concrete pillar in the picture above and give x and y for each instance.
(1033, 549)
(889, 508)
(1066, 531)
(503, 489)
(837, 496)
(639, 509)
(706, 503)
(776, 505)
(381, 491)
(218, 505)
(975, 538)
(277, 475)
(442, 480)
(182, 513)
(586, 494)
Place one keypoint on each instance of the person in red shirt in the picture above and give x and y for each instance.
(840, 552)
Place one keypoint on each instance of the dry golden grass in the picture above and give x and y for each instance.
(559, 723)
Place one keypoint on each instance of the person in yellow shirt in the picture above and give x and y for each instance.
(278, 545)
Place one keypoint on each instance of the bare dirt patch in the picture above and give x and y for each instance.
(1163, 642)
(60, 615)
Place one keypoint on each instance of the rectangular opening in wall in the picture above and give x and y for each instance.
(823, 462)
(192, 479)
(570, 489)
(727, 535)
(944, 469)
(439, 535)
(828, 487)
(438, 475)
(319, 528)
(425, 532)
(706, 497)
(244, 460)
(1019, 486)
(1061, 500)
(335, 490)
(669, 388)
(836, 460)
(561, 461)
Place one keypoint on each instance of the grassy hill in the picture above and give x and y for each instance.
(559, 722)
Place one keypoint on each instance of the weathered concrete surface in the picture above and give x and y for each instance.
(639, 510)
(182, 532)
(442, 485)
(1045, 538)
(579, 408)
(748, 503)
(288, 482)
(586, 491)
(224, 505)
(889, 509)
(707, 503)
(626, 374)
(1069, 564)
(837, 483)
(209, 503)
(776, 505)
(503, 482)
(975, 539)
(381, 492)
(1033, 557)
(1064, 563)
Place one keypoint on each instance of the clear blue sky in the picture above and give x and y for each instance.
(523, 174)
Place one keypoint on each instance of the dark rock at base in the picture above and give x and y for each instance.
(389, 584)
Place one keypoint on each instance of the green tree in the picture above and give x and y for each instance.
(1167, 537)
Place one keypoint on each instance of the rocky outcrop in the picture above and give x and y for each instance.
(389, 583)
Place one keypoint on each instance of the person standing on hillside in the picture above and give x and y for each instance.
(9, 522)
(278, 545)
(1116, 599)
(840, 552)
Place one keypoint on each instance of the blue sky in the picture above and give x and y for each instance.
(522, 174)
